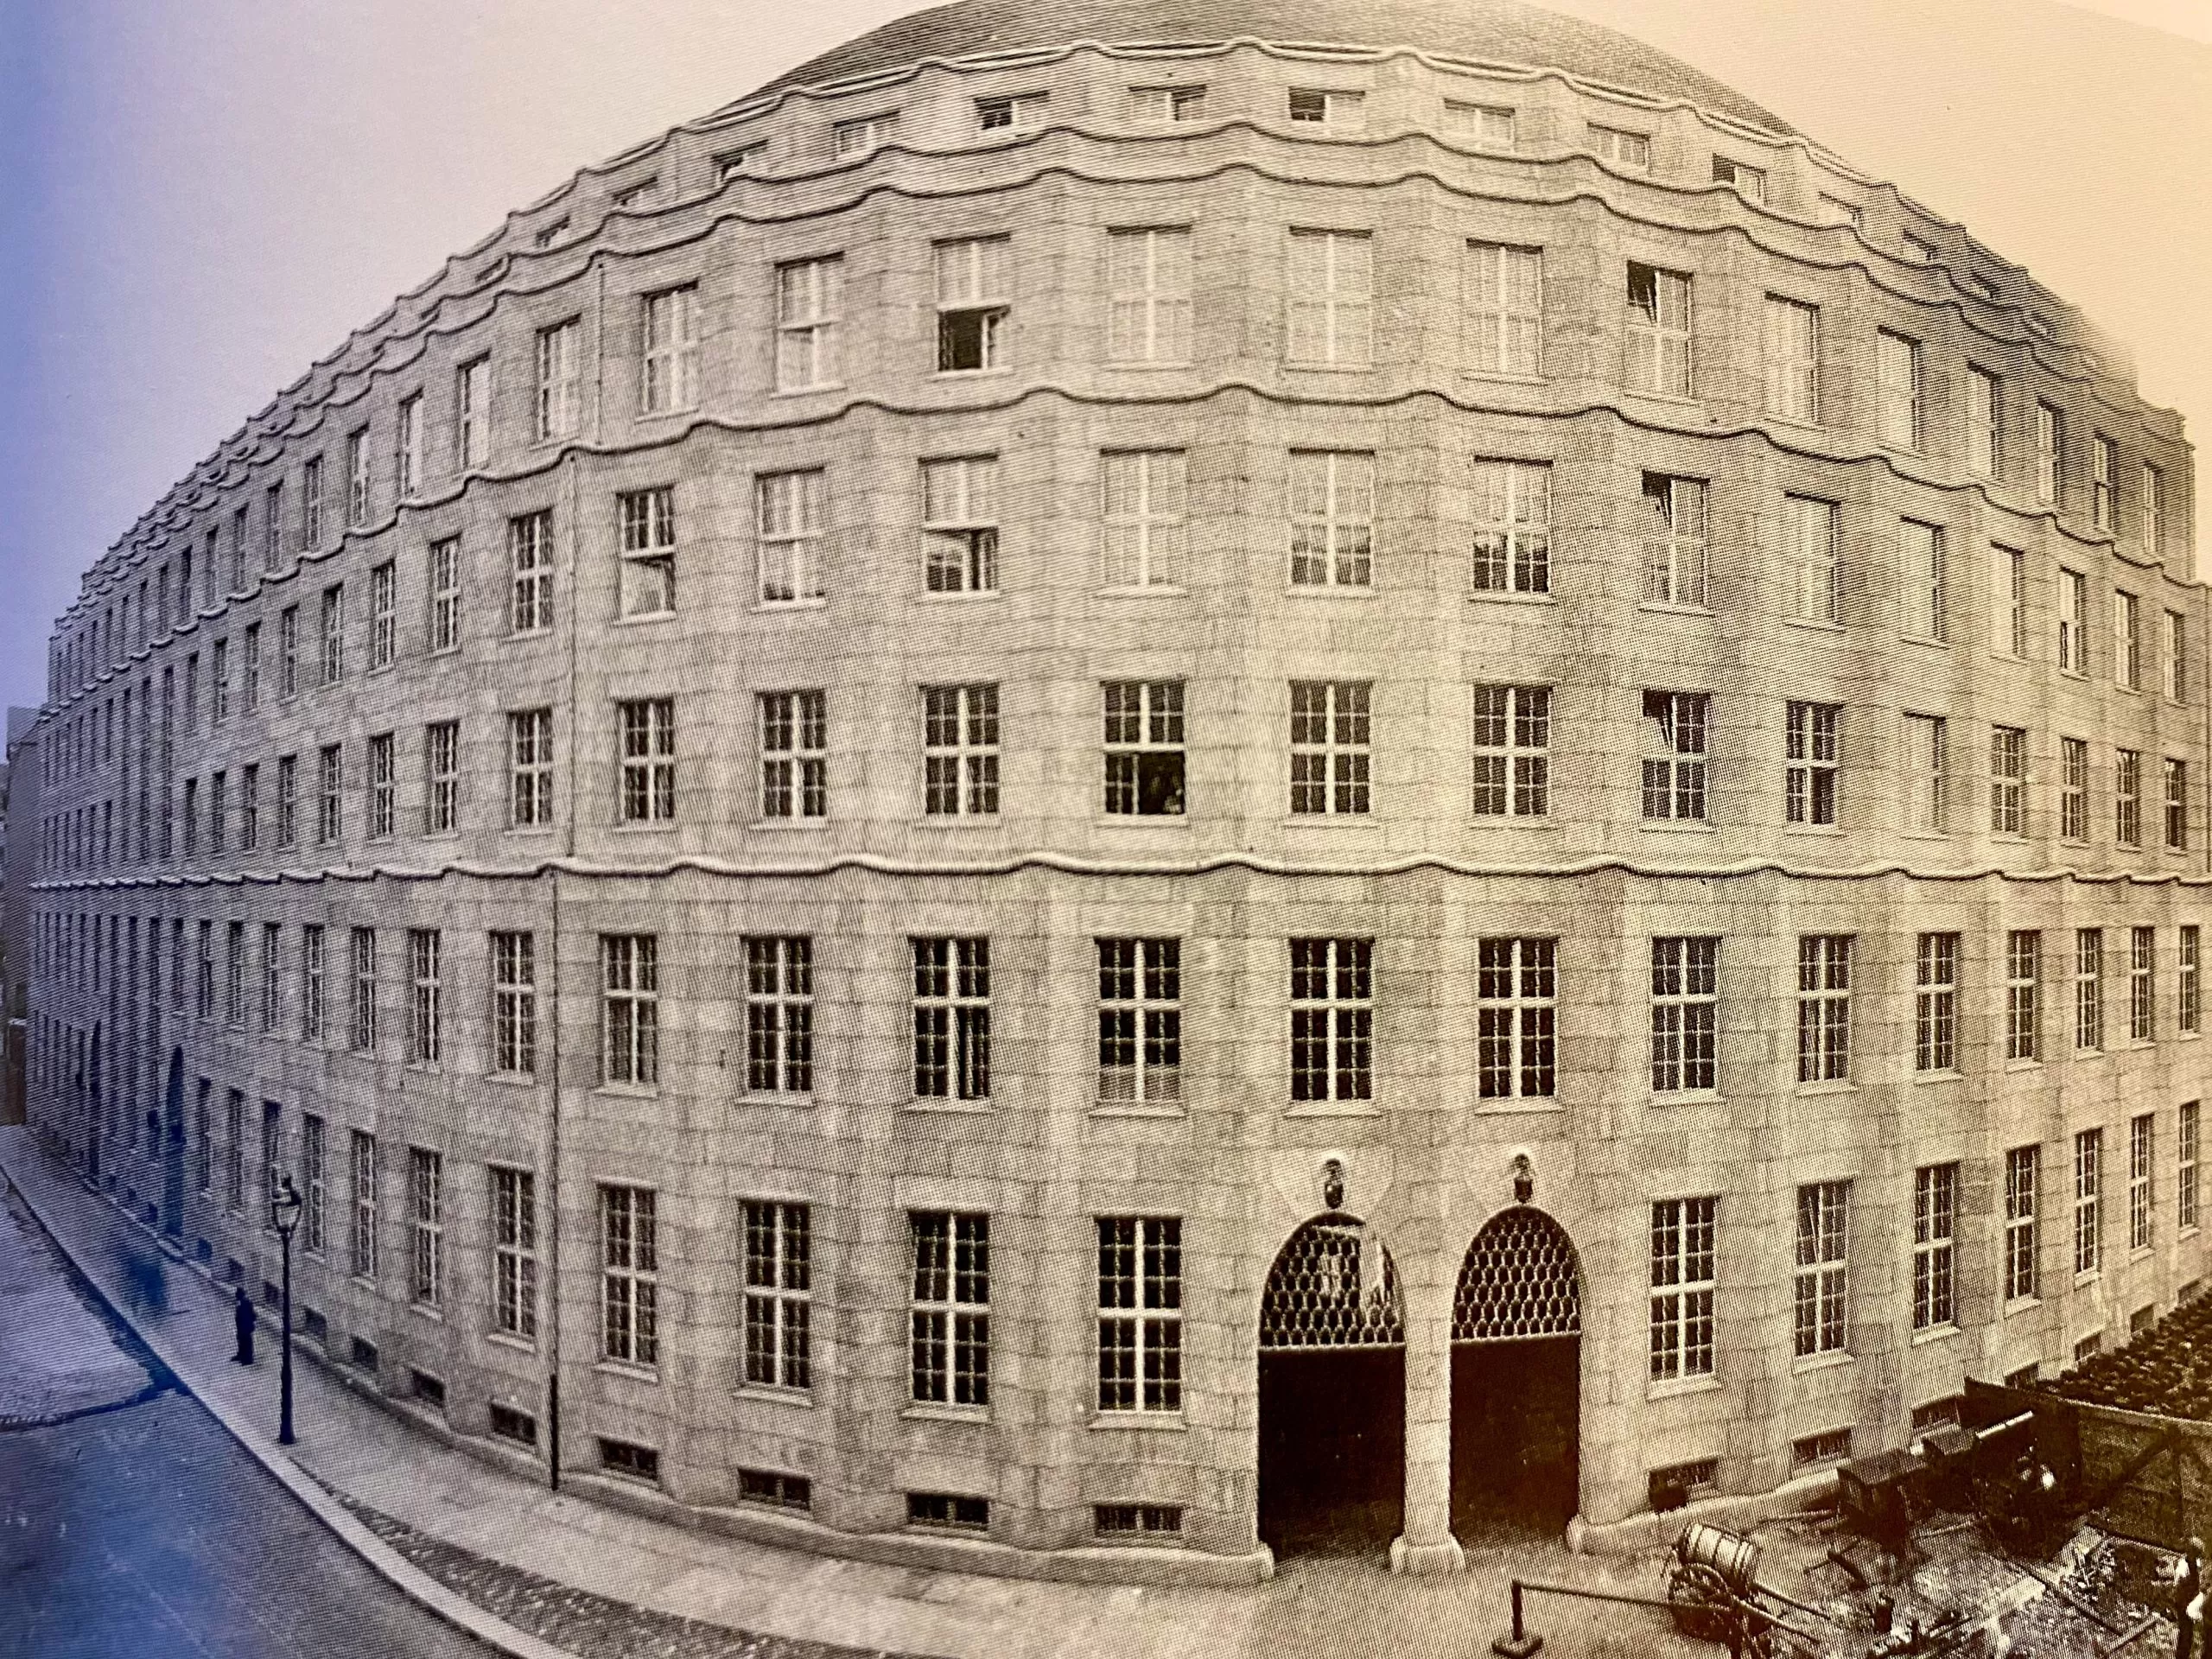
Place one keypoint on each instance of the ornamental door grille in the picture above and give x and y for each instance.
(1519, 1280)
(1333, 1286)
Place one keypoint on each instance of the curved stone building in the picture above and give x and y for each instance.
(1124, 786)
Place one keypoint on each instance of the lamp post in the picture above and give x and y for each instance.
(284, 1215)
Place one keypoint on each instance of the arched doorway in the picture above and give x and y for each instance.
(1333, 1393)
(1516, 1397)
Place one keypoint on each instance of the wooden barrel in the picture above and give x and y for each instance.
(1733, 1556)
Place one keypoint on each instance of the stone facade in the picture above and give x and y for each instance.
(134, 904)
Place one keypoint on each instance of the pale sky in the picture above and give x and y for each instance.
(204, 197)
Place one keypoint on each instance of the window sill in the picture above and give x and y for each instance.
(1922, 1078)
(527, 831)
(2140, 1253)
(1652, 395)
(533, 633)
(1149, 366)
(1504, 378)
(801, 1398)
(1657, 607)
(1326, 590)
(1501, 821)
(1687, 1098)
(782, 607)
(955, 821)
(998, 371)
(661, 827)
(1332, 1109)
(808, 391)
(1936, 1334)
(426, 1312)
(1924, 834)
(2022, 1304)
(2082, 1279)
(922, 1411)
(1502, 596)
(1681, 1386)
(961, 596)
(643, 618)
(1831, 829)
(1142, 821)
(1678, 826)
(2072, 674)
(511, 1079)
(667, 414)
(1809, 625)
(1123, 1422)
(626, 1091)
(1516, 1105)
(949, 1108)
(2023, 1065)
(789, 826)
(508, 1339)
(624, 1368)
(791, 1098)
(1149, 590)
(1829, 1362)
(1329, 368)
(1137, 1108)
(1324, 820)
(1833, 1086)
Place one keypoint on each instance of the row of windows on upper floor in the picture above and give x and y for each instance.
(1143, 527)
(1333, 1007)
(1144, 756)
(1150, 310)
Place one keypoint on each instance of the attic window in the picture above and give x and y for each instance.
(731, 162)
(638, 193)
(1749, 180)
(1621, 147)
(1167, 103)
(1488, 125)
(1314, 107)
(867, 134)
(1980, 284)
(1836, 211)
(1919, 249)
(1010, 114)
(550, 234)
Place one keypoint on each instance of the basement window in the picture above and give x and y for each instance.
(510, 1424)
(626, 1458)
(1124, 1522)
(1832, 1446)
(1936, 1414)
(774, 1490)
(1676, 1484)
(948, 1512)
(431, 1391)
(365, 1354)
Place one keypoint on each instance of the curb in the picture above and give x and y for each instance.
(446, 1605)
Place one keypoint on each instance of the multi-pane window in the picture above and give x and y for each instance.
(514, 1003)
(1750, 180)
(1676, 727)
(1489, 126)
(1167, 103)
(1512, 502)
(1811, 543)
(949, 1324)
(952, 1019)
(630, 1009)
(2152, 524)
(1658, 331)
(311, 968)
(558, 392)
(1935, 1004)
(810, 317)
(1315, 107)
(646, 577)
(2188, 993)
(2104, 471)
(1139, 1021)
(333, 633)
(864, 133)
(407, 447)
(2185, 1193)
(960, 746)
(629, 1276)
(426, 1228)
(778, 1295)
(1813, 761)
(361, 990)
(218, 683)
(780, 1015)
(357, 477)
(974, 292)
(234, 975)
(1332, 519)
(1674, 544)
(384, 615)
(1899, 413)
(1684, 1277)
(1512, 751)
(668, 350)
(2008, 608)
(1821, 1286)
(529, 547)
(1144, 747)
(1984, 451)
(2073, 622)
(1505, 309)
(2051, 440)
(2089, 989)
(425, 995)
(362, 1211)
(794, 755)
(2088, 1196)
(1140, 1314)
(219, 807)
(472, 408)
(2127, 797)
(1833, 210)
(1685, 1013)
(272, 971)
(2074, 789)
(1935, 1246)
(1927, 769)
(1925, 611)
(788, 512)
(2127, 641)
(2142, 984)
(442, 777)
(1149, 296)
(2008, 779)
(1517, 1011)
(329, 797)
(1331, 747)
(2023, 1175)
(1792, 359)
(1823, 1007)
(960, 524)
(530, 769)
(2141, 1175)
(2023, 995)
(1145, 496)
(2175, 776)
(2173, 658)
(1332, 1020)
(648, 727)
(234, 1153)
(1631, 150)
(445, 595)
(514, 1252)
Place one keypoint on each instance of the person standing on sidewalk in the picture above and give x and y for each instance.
(2189, 1600)
(243, 1319)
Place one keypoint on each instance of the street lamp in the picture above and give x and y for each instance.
(284, 1215)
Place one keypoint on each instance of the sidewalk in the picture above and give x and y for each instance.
(561, 1575)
